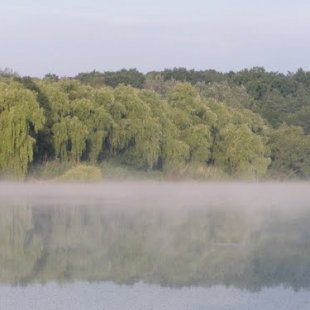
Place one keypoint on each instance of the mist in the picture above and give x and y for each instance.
(290, 196)
(248, 235)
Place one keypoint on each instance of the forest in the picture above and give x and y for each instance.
(250, 124)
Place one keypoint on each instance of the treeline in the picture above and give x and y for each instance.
(250, 123)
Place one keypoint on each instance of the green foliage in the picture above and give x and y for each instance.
(241, 152)
(130, 77)
(52, 77)
(234, 96)
(192, 76)
(273, 107)
(20, 119)
(157, 121)
(198, 139)
(135, 133)
(94, 78)
(156, 82)
(193, 119)
(81, 173)
(290, 150)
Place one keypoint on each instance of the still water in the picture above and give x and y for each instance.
(155, 246)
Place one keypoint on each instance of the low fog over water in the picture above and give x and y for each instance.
(249, 242)
(290, 195)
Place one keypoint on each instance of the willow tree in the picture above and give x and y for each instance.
(66, 127)
(20, 118)
(54, 102)
(97, 121)
(198, 139)
(173, 151)
(74, 89)
(194, 120)
(69, 138)
(57, 112)
(241, 152)
(135, 134)
(239, 141)
(235, 119)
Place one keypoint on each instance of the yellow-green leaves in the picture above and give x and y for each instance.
(290, 151)
(198, 138)
(135, 132)
(141, 128)
(241, 152)
(20, 115)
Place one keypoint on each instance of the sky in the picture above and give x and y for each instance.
(66, 37)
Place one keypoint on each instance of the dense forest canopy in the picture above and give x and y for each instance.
(250, 123)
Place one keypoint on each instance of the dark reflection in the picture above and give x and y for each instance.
(179, 246)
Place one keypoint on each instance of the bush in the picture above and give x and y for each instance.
(81, 173)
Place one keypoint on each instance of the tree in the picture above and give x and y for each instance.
(8, 73)
(52, 77)
(20, 119)
(234, 96)
(94, 78)
(241, 152)
(134, 133)
(290, 150)
(193, 118)
(156, 82)
(173, 151)
(54, 101)
(198, 138)
(77, 120)
(130, 77)
(97, 120)
(273, 107)
(239, 139)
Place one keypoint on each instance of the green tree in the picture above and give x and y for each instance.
(173, 151)
(156, 82)
(241, 152)
(130, 77)
(69, 138)
(93, 78)
(97, 122)
(52, 77)
(234, 96)
(20, 119)
(134, 133)
(290, 150)
(273, 107)
(193, 118)
(55, 103)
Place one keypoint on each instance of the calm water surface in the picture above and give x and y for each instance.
(155, 246)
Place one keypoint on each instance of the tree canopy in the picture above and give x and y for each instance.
(249, 123)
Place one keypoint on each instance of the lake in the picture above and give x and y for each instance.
(155, 245)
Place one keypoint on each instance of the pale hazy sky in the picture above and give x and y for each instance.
(66, 37)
